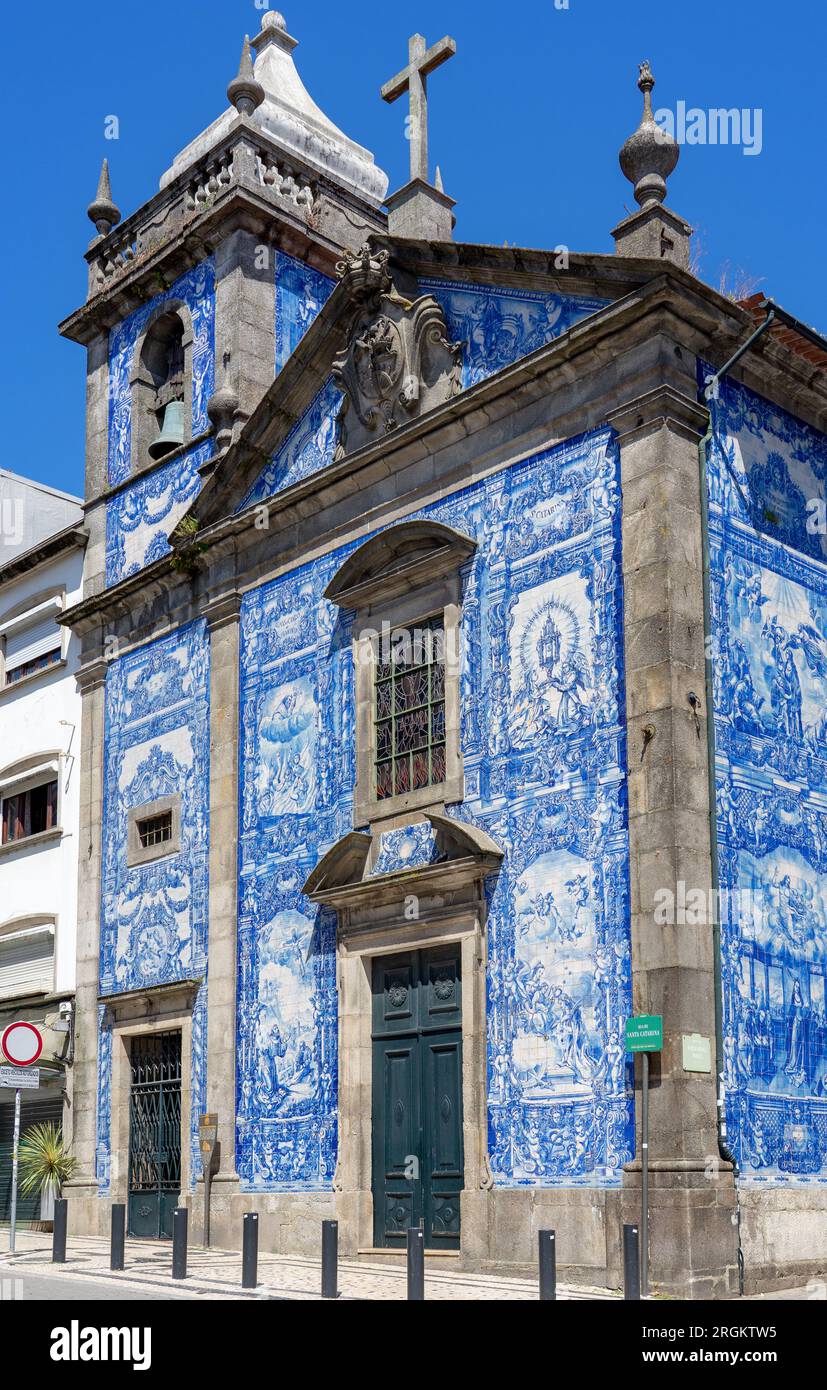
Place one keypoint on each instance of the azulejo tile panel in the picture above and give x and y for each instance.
(141, 518)
(497, 325)
(154, 917)
(301, 292)
(544, 754)
(195, 289)
(769, 597)
(309, 447)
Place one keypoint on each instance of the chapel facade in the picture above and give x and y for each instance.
(446, 608)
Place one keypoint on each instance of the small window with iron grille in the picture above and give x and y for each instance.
(409, 709)
(155, 830)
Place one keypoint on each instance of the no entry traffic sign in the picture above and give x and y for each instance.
(21, 1044)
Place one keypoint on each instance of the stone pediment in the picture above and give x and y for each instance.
(388, 269)
(439, 853)
(407, 556)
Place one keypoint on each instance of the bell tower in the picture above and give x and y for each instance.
(199, 296)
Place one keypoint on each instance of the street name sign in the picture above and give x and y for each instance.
(644, 1033)
(20, 1079)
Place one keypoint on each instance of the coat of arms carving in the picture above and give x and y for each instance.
(399, 361)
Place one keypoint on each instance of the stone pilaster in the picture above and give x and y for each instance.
(223, 618)
(97, 414)
(86, 1212)
(693, 1236)
(245, 317)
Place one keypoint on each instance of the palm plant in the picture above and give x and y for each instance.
(45, 1163)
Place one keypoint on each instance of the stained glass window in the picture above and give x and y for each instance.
(409, 709)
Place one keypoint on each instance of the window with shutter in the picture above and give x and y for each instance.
(27, 961)
(32, 643)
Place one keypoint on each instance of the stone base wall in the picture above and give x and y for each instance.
(784, 1238)
(783, 1232)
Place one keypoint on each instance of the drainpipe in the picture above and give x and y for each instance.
(709, 393)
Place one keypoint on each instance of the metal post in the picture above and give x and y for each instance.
(548, 1265)
(416, 1264)
(249, 1253)
(207, 1196)
(631, 1262)
(59, 1232)
(16, 1145)
(179, 1243)
(330, 1259)
(116, 1258)
(644, 1198)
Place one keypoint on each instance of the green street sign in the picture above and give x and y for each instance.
(644, 1033)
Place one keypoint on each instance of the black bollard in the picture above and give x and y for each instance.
(116, 1258)
(547, 1241)
(330, 1259)
(249, 1254)
(416, 1264)
(59, 1232)
(631, 1262)
(179, 1243)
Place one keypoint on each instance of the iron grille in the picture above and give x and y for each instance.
(155, 830)
(155, 1122)
(409, 710)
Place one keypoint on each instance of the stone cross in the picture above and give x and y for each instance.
(413, 79)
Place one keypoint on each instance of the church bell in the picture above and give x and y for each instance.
(172, 431)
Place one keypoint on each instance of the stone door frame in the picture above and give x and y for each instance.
(124, 1028)
(356, 951)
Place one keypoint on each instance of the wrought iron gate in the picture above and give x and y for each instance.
(154, 1134)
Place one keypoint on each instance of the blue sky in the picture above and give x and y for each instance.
(526, 123)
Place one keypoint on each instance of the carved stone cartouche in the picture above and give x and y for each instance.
(399, 362)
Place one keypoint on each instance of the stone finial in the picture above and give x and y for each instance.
(271, 19)
(221, 408)
(649, 156)
(103, 211)
(244, 91)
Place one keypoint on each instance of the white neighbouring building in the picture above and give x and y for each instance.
(41, 566)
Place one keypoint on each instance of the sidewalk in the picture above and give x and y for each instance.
(216, 1274)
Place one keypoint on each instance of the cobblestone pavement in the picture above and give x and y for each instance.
(217, 1274)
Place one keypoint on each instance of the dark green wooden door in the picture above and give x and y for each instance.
(154, 1134)
(417, 1097)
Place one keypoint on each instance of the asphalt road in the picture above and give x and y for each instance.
(33, 1288)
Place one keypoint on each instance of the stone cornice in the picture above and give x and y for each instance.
(153, 997)
(222, 610)
(71, 538)
(92, 675)
(664, 405)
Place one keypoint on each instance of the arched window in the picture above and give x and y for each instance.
(30, 801)
(162, 387)
(404, 586)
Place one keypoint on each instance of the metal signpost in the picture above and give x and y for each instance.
(644, 1034)
(21, 1044)
(208, 1143)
